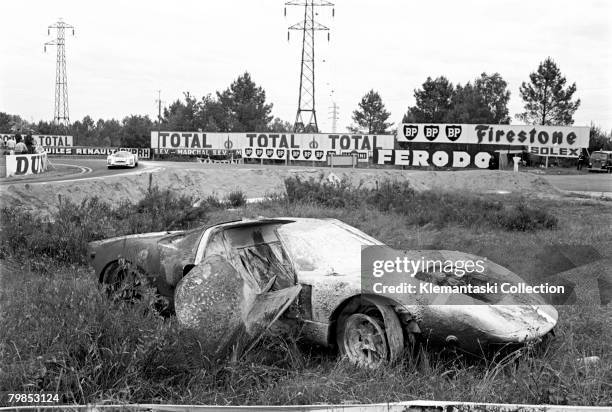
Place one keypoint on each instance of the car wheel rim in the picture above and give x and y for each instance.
(125, 282)
(365, 342)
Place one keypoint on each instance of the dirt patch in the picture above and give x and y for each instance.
(200, 182)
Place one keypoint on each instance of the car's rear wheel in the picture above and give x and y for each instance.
(127, 282)
(124, 281)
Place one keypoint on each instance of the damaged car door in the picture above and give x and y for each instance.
(243, 284)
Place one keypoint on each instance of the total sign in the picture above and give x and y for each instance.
(44, 139)
(313, 146)
(562, 141)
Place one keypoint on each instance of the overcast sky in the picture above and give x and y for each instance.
(124, 51)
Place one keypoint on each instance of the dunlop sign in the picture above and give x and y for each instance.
(543, 140)
(26, 164)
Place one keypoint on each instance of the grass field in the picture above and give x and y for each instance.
(60, 334)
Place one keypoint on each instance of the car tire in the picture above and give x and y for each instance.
(365, 339)
(126, 282)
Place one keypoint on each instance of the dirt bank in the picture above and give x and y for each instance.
(258, 181)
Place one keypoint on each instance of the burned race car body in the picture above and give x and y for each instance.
(234, 280)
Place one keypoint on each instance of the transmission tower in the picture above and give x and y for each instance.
(306, 117)
(60, 113)
(333, 115)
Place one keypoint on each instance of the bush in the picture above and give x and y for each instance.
(420, 207)
(321, 192)
(64, 235)
(523, 218)
(236, 198)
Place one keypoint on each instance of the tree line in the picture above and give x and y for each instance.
(242, 106)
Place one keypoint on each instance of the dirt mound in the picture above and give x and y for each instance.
(254, 181)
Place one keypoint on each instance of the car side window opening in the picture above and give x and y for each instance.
(215, 246)
(260, 253)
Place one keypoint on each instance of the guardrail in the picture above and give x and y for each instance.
(409, 406)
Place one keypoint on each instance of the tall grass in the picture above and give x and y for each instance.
(60, 334)
(63, 236)
(421, 207)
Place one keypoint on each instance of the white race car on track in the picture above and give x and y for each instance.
(122, 159)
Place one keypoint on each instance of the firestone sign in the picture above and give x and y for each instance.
(543, 140)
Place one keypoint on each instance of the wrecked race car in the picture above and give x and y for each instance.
(235, 280)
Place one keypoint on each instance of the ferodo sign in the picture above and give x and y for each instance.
(26, 164)
(545, 140)
(434, 157)
(45, 140)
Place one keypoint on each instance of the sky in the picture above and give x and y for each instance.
(123, 52)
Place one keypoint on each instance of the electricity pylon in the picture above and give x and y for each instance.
(306, 117)
(60, 113)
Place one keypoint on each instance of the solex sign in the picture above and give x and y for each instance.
(544, 140)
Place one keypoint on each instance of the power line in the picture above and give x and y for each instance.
(60, 112)
(306, 100)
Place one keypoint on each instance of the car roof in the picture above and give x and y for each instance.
(251, 222)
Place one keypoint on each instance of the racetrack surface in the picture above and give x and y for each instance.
(591, 182)
(67, 169)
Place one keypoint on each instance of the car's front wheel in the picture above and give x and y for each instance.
(371, 337)
(364, 341)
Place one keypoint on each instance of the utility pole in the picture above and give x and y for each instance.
(159, 103)
(60, 112)
(306, 117)
(334, 116)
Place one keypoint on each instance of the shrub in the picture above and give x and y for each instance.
(236, 198)
(320, 192)
(64, 235)
(420, 207)
(522, 217)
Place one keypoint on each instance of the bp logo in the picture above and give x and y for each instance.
(269, 152)
(258, 152)
(431, 132)
(453, 132)
(248, 152)
(410, 131)
(280, 153)
(228, 144)
(307, 154)
(319, 154)
(295, 154)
